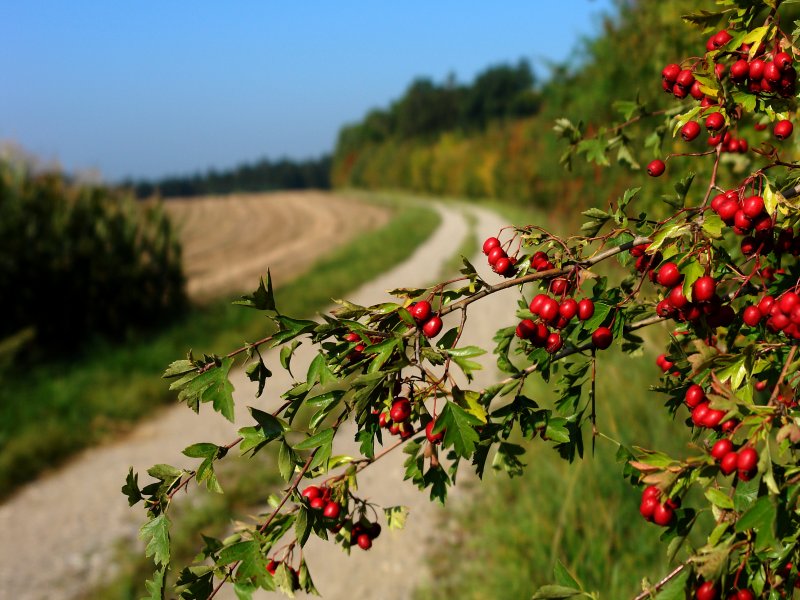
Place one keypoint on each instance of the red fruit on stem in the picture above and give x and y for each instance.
(401, 410)
(536, 303)
(656, 168)
(751, 316)
(753, 206)
(715, 121)
(602, 338)
(748, 459)
(490, 244)
(364, 541)
(772, 73)
(739, 70)
(722, 448)
(788, 301)
(272, 566)
(783, 129)
(647, 507)
(496, 254)
(782, 60)
(704, 289)
(668, 274)
(311, 492)
(568, 308)
(420, 310)
(331, 510)
(549, 309)
(707, 591)
(685, 79)
(432, 327)
(503, 266)
(694, 396)
(676, 297)
(756, 70)
(670, 73)
(728, 463)
(317, 503)
(690, 131)
(554, 343)
(765, 304)
(526, 329)
(663, 515)
(651, 491)
(699, 414)
(433, 438)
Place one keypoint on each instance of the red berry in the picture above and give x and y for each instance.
(496, 254)
(690, 131)
(602, 338)
(526, 329)
(554, 343)
(704, 289)
(311, 492)
(568, 308)
(694, 396)
(739, 70)
(772, 73)
(490, 244)
(715, 121)
(317, 503)
(670, 72)
(272, 566)
(722, 448)
(433, 438)
(696, 92)
(420, 310)
(432, 327)
(401, 410)
(783, 129)
(668, 274)
(331, 510)
(727, 210)
(728, 463)
(751, 316)
(712, 418)
(549, 309)
(787, 302)
(503, 266)
(707, 591)
(536, 303)
(742, 595)
(765, 304)
(651, 491)
(748, 459)
(648, 507)
(585, 309)
(685, 79)
(656, 168)
(364, 541)
(753, 206)
(782, 60)
(699, 413)
(663, 515)
(756, 69)
(676, 297)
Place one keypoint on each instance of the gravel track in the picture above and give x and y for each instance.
(59, 532)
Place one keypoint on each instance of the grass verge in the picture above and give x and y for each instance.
(52, 410)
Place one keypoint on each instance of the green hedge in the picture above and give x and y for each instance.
(80, 260)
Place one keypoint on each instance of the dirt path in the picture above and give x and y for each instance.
(229, 241)
(59, 531)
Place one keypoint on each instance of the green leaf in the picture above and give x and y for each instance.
(556, 592)
(258, 371)
(262, 299)
(302, 525)
(719, 498)
(131, 487)
(671, 231)
(759, 516)
(286, 355)
(692, 271)
(164, 472)
(211, 386)
(155, 534)
(155, 588)
(286, 461)
(271, 426)
(324, 437)
(396, 516)
(564, 577)
(178, 368)
(460, 429)
(595, 151)
(202, 450)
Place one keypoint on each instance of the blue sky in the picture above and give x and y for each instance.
(155, 88)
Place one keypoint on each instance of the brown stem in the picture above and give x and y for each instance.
(672, 575)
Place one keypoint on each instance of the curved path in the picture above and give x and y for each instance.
(59, 532)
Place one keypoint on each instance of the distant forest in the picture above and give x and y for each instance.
(264, 175)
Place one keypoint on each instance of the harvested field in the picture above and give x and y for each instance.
(229, 241)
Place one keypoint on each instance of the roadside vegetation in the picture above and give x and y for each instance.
(49, 410)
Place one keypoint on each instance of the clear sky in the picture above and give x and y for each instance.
(152, 88)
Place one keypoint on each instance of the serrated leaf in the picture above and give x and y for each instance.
(396, 516)
(460, 429)
(155, 587)
(131, 487)
(671, 231)
(719, 498)
(179, 367)
(261, 299)
(322, 438)
(155, 534)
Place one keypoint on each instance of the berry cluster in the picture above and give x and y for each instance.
(397, 418)
(656, 511)
(501, 263)
(362, 534)
(782, 314)
(744, 462)
(554, 313)
(708, 591)
(423, 314)
(319, 498)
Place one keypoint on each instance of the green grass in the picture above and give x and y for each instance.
(505, 540)
(52, 410)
